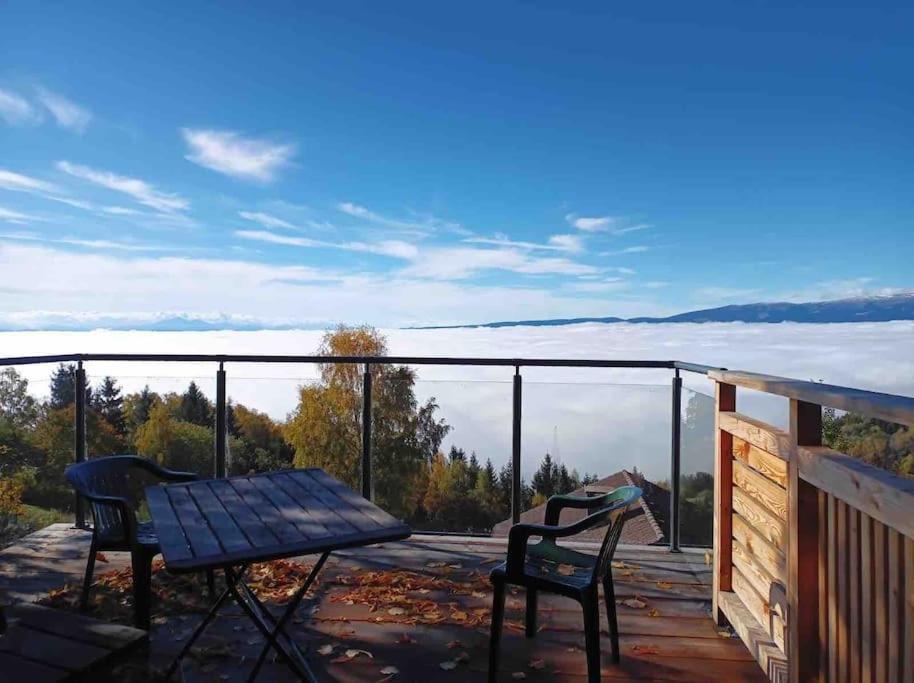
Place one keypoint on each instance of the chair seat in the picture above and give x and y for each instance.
(145, 535)
(550, 566)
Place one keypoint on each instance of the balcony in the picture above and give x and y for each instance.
(812, 550)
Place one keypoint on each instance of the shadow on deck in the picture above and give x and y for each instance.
(670, 638)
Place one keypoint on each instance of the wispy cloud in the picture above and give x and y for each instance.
(68, 114)
(422, 227)
(569, 243)
(393, 248)
(637, 249)
(590, 223)
(228, 152)
(23, 183)
(455, 263)
(266, 220)
(16, 217)
(17, 111)
(140, 190)
(88, 243)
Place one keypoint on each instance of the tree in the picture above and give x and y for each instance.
(326, 427)
(256, 443)
(108, 402)
(63, 387)
(176, 444)
(546, 478)
(195, 407)
(17, 405)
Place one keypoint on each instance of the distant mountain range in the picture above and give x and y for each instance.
(855, 310)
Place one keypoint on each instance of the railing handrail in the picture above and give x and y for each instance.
(889, 407)
(361, 360)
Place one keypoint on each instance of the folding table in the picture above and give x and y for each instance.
(232, 523)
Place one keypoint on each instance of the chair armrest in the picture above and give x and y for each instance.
(556, 504)
(122, 505)
(519, 536)
(166, 474)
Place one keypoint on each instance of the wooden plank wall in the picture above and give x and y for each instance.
(860, 624)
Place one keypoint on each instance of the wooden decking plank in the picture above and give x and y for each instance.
(290, 509)
(51, 650)
(264, 508)
(257, 533)
(16, 669)
(171, 536)
(77, 627)
(198, 533)
(220, 521)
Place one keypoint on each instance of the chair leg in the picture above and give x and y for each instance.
(591, 606)
(498, 614)
(142, 579)
(87, 581)
(531, 612)
(211, 583)
(609, 596)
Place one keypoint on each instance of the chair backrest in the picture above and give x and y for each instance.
(613, 508)
(123, 476)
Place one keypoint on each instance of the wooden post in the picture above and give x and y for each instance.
(804, 639)
(725, 398)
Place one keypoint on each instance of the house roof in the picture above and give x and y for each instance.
(645, 524)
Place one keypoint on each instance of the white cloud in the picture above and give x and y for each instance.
(228, 152)
(88, 243)
(23, 183)
(119, 211)
(393, 248)
(16, 217)
(17, 111)
(140, 190)
(67, 114)
(266, 220)
(567, 242)
(454, 263)
(590, 224)
(421, 228)
(612, 284)
(637, 249)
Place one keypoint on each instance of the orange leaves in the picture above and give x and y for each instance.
(634, 603)
(645, 650)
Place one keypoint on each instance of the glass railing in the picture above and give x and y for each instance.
(696, 481)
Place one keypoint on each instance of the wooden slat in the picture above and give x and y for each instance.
(758, 606)
(772, 528)
(168, 529)
(866, 598)
(908, 607)
(854, 585)
(219, 520)
(841, 550)
(760, 550)
(756, 639)
(755, 574)
(833, 616)
(50, 649)
(898, 409)
(760, 434)
(290, 509)
(325, 514)
(763, 462)
(823, 582)
(877, 492)
(257, 533)
(198, 533)
(725, 401)
(880, 614)
(264, 508)
(764, 491)
(894, 557)
(76, 627)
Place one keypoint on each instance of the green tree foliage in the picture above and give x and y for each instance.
(877, 442)
(195, 407)
(257, 443)
(326, 427)
(17, 406)
(110, 405)
(63, 387)
(176, 444)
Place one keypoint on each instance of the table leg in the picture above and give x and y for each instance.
(287, 615)
(230, 579)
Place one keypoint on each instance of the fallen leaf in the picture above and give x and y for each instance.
(462, 657)
(448, 665)
(566, 570)
(518, 675)
(352, 654)
(390, 671)
(634, 603)
(406, 639)
(654, 612)
(454, 644)
(435, 565)
(664, 585)
(645, 649)
(325, 649)
(396, 611)
(101, 557)
(537, 664)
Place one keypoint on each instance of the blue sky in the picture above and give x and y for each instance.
(417, 163)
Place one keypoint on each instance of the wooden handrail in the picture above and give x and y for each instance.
(889, 407)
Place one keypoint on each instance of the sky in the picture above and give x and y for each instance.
(275, 164)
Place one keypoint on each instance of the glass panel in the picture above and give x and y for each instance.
(696, 496)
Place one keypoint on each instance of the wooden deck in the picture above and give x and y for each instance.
(670, 638)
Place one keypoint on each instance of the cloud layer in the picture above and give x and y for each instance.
(230, 153)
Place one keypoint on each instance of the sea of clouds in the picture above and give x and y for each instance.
(595, 420)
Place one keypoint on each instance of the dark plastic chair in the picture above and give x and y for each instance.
(114, 487)
(536, 568)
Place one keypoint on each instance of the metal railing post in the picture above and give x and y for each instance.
(675, 455)
(79, 434)
(516, 491)
(366, 433)
(221, 421)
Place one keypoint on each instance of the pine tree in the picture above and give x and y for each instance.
(63, 387)
(195, 407)
(144, 404)
(110, 405)
(545, 480)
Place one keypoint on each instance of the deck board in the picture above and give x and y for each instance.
(682, 643)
